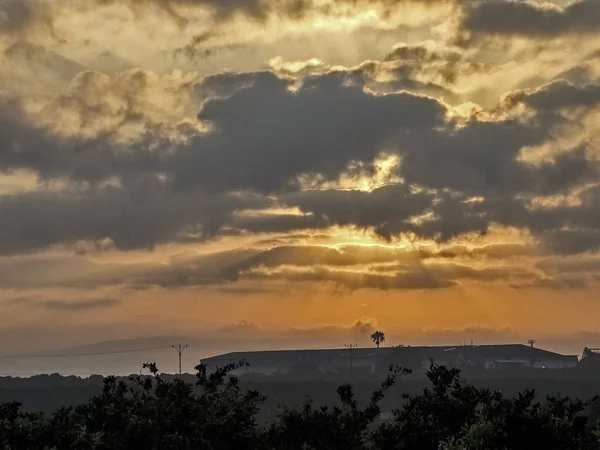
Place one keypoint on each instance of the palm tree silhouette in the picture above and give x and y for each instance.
(378, 337)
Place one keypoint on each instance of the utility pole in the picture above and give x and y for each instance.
(351, 347)
(531, 342)
(179, 349)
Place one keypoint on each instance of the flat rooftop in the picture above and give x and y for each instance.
(499, 350)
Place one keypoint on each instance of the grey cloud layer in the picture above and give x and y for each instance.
(507, 17)
(264, 136)
(68, 305)
(139, 216)
(353, 267)
(15, 15)
(18, 15)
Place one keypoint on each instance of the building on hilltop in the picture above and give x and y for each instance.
(368, 360)
(498, 356)
(590, 358)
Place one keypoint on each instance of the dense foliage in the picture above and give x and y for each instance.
(151, 412)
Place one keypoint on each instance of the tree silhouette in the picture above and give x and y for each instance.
(152, 412)
(378, 337)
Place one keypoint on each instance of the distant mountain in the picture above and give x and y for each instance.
(124, 345)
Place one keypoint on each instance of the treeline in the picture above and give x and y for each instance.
(46, 393)
(215, 413)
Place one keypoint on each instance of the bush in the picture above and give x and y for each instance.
(150, 412)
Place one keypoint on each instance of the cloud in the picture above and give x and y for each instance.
(354, 280)
(387, 207)
(353, 267)
(192, 153)
(68, 305)
(175, 9)
(556, 96)
(487, 274)
(556, 284)
(240, 328)
(479, 334)
(574, 264)
(276, 223)
(15, 15)
(523, 18)
(265, 135)
(360, 327)
(28, 145)
(571, 241)
(274, 135)
(135, 101)
(139, 215)
(444, 65)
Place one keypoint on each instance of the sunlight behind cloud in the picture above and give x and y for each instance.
(435, 160)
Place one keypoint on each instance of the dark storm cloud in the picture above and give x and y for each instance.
(505, 17)
(275, 223)
(381, 208)
(483, 157)
(563, 229)
(266, 135)
(25, 145)
(389, 210)
(579, 75)
(16, 15)
(571, 241)
(569, 230)
(557, 95)
(137, 216)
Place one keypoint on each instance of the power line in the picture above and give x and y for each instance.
(116, 352)
(71, 355)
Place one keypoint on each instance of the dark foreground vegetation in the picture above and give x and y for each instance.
(215, 413)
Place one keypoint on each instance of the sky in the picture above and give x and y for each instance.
(279, 173)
